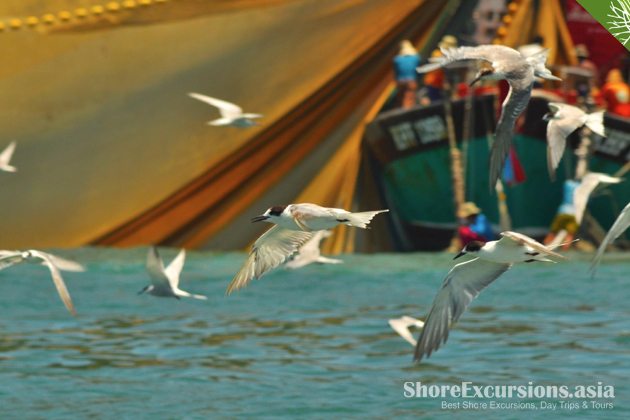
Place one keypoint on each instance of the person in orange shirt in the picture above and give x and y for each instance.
(616, 93)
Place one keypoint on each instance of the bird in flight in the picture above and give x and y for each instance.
(562, 121)
(165, 281)
(294, 224)
(583, 191)
(621, 224)
(54, 264)
(309, 253)
(402, 326)
(5, 158)
(231, 114)
(466, 280)
(508, 64)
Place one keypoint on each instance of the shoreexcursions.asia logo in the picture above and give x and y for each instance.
(468, 390)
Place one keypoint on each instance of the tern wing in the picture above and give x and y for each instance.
(401, 326)
(56, 275)
(304, 212)
(621, 224)
(9, 258)
(462, 284)
(513, 238)
(5, 156)
(583, 191)
(64, 264)
(538, 61)
(271, 249)
(513, 106)
(174, 269)
(491, 53)
(312, 211)
(558, 130)
(180, 292)
(324, 260)
(227, 109)
(155, 269)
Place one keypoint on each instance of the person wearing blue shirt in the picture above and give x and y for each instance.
(405, 64)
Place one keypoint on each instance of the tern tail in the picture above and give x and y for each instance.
(538, 60)
(362, 220)
(595, 122)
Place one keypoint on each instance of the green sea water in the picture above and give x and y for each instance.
(307, 344)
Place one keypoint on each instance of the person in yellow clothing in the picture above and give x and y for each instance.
(565, 218)
(434, 81)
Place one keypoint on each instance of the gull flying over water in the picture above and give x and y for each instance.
(519, 71)
(309, 253)
(402, 326)
(54, 264)
(231, 114)
(621, 224)
(5, 158)
(583, 191)
(165, 280)
(564, 120)
(294, 225)
(466, 280)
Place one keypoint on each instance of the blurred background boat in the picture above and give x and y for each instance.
(111, 150)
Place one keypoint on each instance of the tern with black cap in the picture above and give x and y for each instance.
(508, 64)
(294, 226)
(466, 280)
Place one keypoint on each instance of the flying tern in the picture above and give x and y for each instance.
(466, 280)
(54, 264)
(231, 114)
(564, 120)
(402, 326)
(621, 224)
(309, 253)
(165, 280)
(519, 71)
(583, 191)
(5, 158)
(295, 225)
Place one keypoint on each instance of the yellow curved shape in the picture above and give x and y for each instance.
(104, 127)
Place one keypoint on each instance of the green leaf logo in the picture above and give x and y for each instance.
(619, 20)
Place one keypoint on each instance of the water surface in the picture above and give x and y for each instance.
(304, 344)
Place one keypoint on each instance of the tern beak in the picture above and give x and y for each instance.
(474, 81)
(548, 116)
(459, 255)
(259, 218)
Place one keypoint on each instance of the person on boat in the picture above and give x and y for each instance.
(434, 80)
(582, 54)
(616, 93)
(565, 218)
(474, 226)
(405, 64)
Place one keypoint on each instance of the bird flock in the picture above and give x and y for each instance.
(298, 229)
